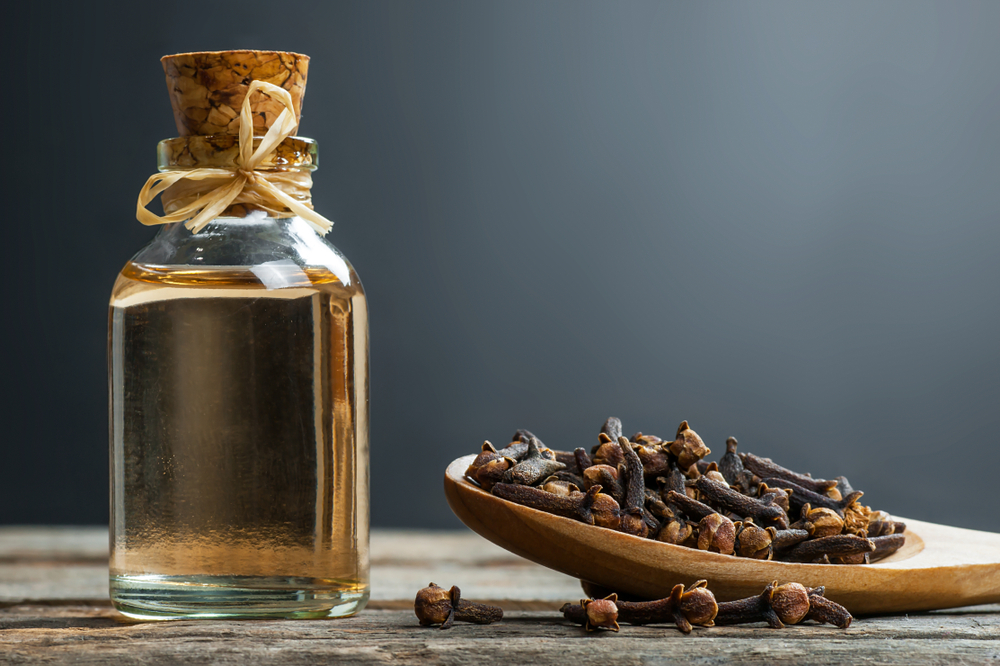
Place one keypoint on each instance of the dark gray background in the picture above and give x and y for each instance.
(778, 220)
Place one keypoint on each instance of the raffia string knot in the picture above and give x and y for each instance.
(201, 195)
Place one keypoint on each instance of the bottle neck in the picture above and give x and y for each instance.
(287, 169)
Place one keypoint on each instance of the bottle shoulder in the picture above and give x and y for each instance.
(247, 243)
(248, 253)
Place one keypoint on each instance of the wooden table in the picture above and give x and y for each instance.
(54, 608)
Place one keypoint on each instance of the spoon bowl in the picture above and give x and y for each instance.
(938, 567)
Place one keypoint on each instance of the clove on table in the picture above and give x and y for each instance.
(436, 606)
(777, 606)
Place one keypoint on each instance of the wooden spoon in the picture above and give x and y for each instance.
(938, 567)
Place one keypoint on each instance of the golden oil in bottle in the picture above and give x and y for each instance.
(239, 455)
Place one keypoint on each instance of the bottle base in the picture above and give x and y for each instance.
(152, 597)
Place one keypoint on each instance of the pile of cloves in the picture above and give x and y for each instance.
(777, 605)
(742, 505)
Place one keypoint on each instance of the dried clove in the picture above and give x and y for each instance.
(609, 453)
(881, 523)
(606, 512)
(568, 458)
(488, 454)
(801, 496)
(522, 435)
(436, 606)
(583, 460)
(690, 507)
(776, 605)
(601, 613)
(493, 472)
(635, 524)
(695, 606)
(578, 505)
(607, 477)
(765, 467)
(656, 506)
(886, 545)
(655, 461)
(844, 486)
(790, 602)
(853, 558)
(612, 428)
(839, 545)
(533, 467)
(687, 448)
(821, 522)
(712, 472)
(732, 469)
(568, 477)
(856, 518)
(488, 467)
(716, 534)
(783, 539)
(634, 485)
(559, 487)
(753, 541)
(684, 608)
(781, 496)
(516, 451)
(577, 613)
(653, 523)
(824, 611)
(674, 480)
(679, 533)
(763, 509)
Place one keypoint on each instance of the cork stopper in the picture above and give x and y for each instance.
(207, 88)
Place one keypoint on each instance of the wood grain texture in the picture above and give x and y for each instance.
(95, 636)
(53, 543)
(47, 576)
(939, 567)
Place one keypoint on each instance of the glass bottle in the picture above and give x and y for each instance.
(238, 370)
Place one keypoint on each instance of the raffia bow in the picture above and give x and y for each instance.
(215, 189)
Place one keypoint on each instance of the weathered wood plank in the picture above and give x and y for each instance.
(54, 608)
(53, 543)
(87, 635)
(54, 584)
(69, 566)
